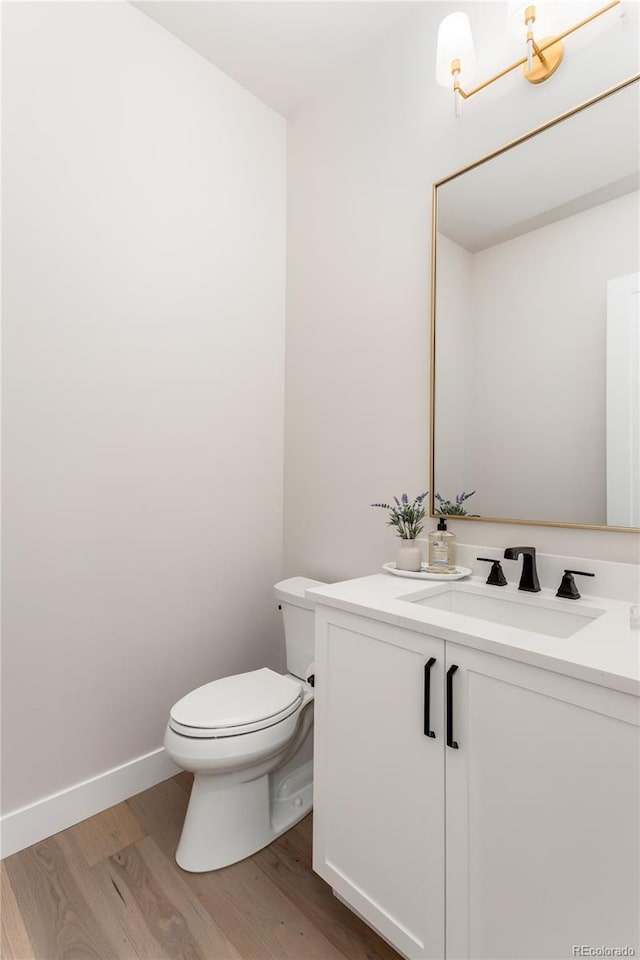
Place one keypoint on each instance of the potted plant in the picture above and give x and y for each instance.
(408, 519)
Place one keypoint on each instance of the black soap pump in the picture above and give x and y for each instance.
(442, 549)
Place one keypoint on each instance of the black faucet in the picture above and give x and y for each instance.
(529, 578)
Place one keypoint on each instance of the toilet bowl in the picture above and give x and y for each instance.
(247, 740)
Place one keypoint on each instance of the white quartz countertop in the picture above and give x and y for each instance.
(606, 651)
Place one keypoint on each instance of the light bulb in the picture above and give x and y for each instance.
(455, 42)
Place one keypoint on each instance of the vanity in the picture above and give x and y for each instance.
(477, 746)
(477, 782)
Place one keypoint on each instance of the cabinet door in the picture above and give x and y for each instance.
(542, 813)
(379, 780)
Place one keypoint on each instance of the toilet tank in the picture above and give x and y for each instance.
(298, 616)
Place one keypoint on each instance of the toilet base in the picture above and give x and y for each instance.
(229, 822)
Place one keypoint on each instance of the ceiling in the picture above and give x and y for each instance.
(282, 51)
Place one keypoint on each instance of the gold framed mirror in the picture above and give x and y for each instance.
(535, 315)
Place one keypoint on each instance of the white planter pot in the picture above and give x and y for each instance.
(408, 555)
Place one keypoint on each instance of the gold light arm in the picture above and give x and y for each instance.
(539, 50)
(594, 16)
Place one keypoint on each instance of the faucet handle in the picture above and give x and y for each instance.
(496, 575)
(567, 588)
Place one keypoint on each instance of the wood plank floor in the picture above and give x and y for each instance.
(109, 889)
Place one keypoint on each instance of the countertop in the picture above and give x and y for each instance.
(606, 651)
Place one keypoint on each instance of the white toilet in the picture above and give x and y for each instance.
(246, 739)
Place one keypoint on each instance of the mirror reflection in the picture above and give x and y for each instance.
(536, 387)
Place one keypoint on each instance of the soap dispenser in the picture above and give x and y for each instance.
(442, 549)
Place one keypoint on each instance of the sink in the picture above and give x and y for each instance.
(529, 612)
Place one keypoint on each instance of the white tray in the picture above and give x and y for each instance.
(426, 574)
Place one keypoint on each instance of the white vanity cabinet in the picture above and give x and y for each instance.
(542, 815)
(525, 837)
(378, 780)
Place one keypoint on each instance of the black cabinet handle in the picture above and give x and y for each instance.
(428, 732)
(450, 741)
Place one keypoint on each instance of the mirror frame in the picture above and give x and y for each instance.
(432, 391)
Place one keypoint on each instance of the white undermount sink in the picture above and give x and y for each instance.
(523, 611)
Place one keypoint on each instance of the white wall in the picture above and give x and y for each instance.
(362, 159)
(144, 232)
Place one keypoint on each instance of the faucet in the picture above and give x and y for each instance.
(529, 578)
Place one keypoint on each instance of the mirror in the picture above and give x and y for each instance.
(535, 347)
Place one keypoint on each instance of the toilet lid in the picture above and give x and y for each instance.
(237, 704)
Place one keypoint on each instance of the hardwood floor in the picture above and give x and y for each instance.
(109, 889)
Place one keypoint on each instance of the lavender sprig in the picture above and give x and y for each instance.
(454, 509)
(407, 517)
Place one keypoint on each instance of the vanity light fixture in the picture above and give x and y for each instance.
(455, 56)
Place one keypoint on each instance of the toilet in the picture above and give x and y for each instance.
(248, 741)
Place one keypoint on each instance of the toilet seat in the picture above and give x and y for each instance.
(236, 705)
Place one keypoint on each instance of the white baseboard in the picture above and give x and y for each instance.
(35, 822)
